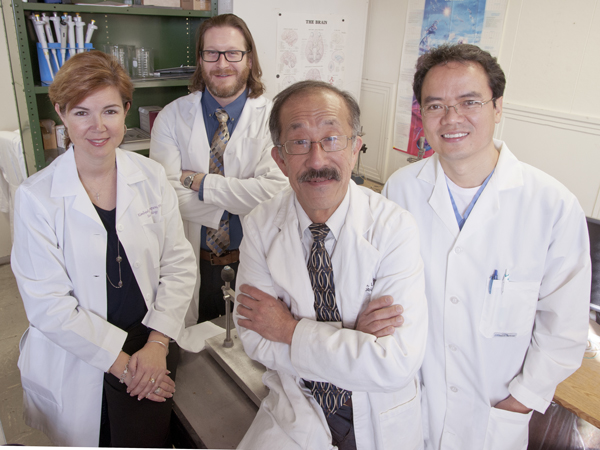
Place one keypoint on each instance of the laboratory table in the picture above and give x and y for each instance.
(580, 393)
(210, 409)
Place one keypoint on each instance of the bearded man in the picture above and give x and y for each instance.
(216, 149)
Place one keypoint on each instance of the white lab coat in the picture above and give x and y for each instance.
(377, 253)
(484, 346)
(59, 261)
(179, 142)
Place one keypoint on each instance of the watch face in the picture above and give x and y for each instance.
(187, 183)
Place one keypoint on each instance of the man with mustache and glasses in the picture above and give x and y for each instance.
(324, 268)
(507, 262)
(215, 147)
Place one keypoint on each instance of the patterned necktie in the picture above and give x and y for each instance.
(330, 397)
(218, 240)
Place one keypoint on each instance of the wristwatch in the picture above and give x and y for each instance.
(187, 182)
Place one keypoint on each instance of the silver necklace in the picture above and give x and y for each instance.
(118, 259)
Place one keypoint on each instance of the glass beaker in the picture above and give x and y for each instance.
(144, 62)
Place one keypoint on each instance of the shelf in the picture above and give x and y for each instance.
(131, 10)
(152, 83)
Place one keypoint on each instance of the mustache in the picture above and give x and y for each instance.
(222, 72)
(327, 173)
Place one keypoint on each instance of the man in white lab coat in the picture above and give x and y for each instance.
(506, 257)
(220, 170)
(325, 266)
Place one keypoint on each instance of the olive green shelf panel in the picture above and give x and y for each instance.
(146, 84)
(130, 10)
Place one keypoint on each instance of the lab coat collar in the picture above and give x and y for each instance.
(354, 255)
(507, 175)
(66, 183)
(127, 174)
(198, 132)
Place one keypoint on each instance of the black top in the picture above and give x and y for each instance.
(125, 306)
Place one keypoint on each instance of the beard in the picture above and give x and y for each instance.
(241, 80)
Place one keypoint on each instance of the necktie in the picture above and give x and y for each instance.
(218, 239)
(330, 397)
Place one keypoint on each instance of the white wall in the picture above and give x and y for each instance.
(8, 122)
(550, 54)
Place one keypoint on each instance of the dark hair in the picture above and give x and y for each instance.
(307, 87)
(257, 88)
(460, 53)
(84, 74)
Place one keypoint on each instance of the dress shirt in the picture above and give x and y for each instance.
(234, 111)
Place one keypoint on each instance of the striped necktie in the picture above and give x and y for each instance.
(330, 397)
(218, 239)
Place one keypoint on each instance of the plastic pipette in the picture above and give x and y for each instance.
(79, 24)
(90, 30)
(39, 31)
(48, 30)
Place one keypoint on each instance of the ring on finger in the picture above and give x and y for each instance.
(152, 380)
(157, 391)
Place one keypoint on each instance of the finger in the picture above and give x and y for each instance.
(387, 331)
(247, 301)
(255, 293)
(390, 312)
(139, 388)
(149, 387)
(379, 303)
(156, 398)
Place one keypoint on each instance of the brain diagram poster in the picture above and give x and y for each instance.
(310, 47)
(431, 23)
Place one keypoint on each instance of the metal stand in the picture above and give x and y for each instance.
(421, 146)
(227, 275)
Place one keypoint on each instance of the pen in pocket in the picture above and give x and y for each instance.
(492, 278)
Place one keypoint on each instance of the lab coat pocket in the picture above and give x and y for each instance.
(507, 430)
(41, 363)
(402, 422)
(509, 311)
(155, 232)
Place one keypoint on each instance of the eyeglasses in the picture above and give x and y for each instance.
(328, 144)
(230, 55)
(462, 108)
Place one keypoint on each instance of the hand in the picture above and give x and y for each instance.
(266, 315)
(512, 404)
(197, 179)
(380, 318)
(149, 363)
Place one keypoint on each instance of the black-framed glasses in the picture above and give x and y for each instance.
(230, 55)
(328, 144)
(462, 108)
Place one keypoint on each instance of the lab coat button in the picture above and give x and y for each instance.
(454, 389)
(452, 347)
(454, 300)
(458, 250)
(137, 264)
(120, 227)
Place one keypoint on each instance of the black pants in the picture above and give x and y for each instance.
(342, 428)
(211, 303)
(127, 422)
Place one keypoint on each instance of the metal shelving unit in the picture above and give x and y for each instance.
(170, 32)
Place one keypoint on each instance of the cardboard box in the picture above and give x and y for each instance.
(147, 116)
(197, 5)
(167, 3)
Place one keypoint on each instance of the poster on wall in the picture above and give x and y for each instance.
(310, 47)
(430, 23)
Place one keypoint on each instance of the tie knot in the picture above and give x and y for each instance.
(221, 115)
(319, 231)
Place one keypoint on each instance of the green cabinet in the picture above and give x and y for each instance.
(171, 33)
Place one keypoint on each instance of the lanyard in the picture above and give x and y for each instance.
(461, 220)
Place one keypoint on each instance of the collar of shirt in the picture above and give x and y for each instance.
(210, 105)
(335, 224)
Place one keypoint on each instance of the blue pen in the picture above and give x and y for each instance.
(492, 278)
